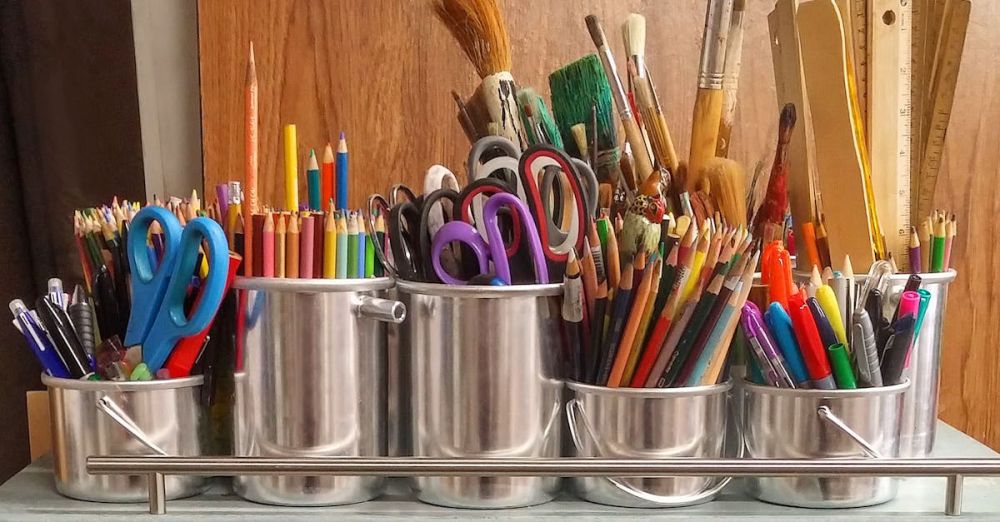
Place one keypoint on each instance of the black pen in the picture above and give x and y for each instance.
(60, 330)
(896, 350)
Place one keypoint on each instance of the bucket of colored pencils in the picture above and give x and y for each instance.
(483, 365)
(785, 423)
(162, 417)
(311, 382)
(630, 423)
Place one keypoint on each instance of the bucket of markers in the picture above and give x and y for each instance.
(785, 423)
(163, 417)
(311, 382)
(484, 372)
(648, 423)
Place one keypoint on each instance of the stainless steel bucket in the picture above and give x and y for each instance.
(643, 423)
(920, 403)
(484, 382)
(124, 418)
(795, 424)
(311, 382)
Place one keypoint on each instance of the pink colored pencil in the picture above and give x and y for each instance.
(307, 249)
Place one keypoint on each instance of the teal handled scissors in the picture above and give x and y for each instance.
(158, 320)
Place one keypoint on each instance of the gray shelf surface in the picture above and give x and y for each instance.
(31, 496)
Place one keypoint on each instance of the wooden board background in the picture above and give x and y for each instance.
(382, 71)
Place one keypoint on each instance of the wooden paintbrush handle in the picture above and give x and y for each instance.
(643, 163)
(704, 134)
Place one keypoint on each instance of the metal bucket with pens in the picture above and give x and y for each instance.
(783, 423)
(311, 382)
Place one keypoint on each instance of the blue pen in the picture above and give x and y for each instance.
(38, 340)
(342, 172)
(780, 325)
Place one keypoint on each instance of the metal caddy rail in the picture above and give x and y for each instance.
(157, 467)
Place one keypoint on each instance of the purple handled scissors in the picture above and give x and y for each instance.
(492, 247)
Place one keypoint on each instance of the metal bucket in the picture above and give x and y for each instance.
(642, 423)
(124, 418)
(311, 382)
(920, 403)
(484, 373)
(781, 423)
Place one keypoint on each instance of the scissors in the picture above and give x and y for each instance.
(158, 319)
(492, 248)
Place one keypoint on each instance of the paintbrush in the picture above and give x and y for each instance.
(480, 30)
(731, 77)
(771, 216)
(726, 184)
(537, 121)
(581, 94)
(634, 34)
(708, 104)
(643, 163)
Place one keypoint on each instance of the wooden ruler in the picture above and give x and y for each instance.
(888, 123)
(802, 189)
(948, 61)
(839, 162)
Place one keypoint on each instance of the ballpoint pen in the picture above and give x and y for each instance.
(63, 337)
(38, 341)
(753, 326)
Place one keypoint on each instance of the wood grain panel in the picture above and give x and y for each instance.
(382, 72)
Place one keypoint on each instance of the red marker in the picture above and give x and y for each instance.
(809, 342)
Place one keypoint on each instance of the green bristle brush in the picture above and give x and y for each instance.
(576, 90)
(539, 126)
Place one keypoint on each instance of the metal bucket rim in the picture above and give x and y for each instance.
(283, 284)
(122, 386)
(479, 291)
(655, 393)
(926, 278)
(813, 393)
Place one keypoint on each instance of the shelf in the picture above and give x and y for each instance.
(30, 495)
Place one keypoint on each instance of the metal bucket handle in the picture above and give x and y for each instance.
(385, 310)
(826, 414)
(664, 501)
(117, 414)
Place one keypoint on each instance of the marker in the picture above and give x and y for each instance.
(780, 324)
(813, 352)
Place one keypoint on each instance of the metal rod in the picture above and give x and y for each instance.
(157, 494)
(563, 467)
(953, 496)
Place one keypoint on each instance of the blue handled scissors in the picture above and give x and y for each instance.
(158, 320)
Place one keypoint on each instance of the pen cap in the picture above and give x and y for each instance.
(909, 304)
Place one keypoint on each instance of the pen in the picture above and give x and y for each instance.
(56, 294)
(896, 350)
(826, 333)
(82, 316)
(757, 335)
(841, 363)
(813, 352)
(865, 350)
(780, 324)
(38, 341)
(63, 337)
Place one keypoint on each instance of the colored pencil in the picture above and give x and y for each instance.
(619, 315)
(306, 235)
(341, 166)
(330, 247)
(647, 315)
(291, 169)
(632, 322)
(251, 147)
(362, 248)
(267, 250)
(280, 249)
(352, 246)
(342, 253)
(293, 245)
(327, 192)
(313, 183)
